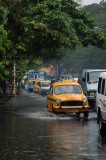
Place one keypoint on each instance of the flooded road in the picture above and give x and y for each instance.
(29, 132)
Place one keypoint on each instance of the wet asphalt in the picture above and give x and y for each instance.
(29, 132)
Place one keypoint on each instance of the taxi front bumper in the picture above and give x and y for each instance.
(70, 109)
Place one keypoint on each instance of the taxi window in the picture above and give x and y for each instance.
(51, 90)
(61, 89)
(45, 84)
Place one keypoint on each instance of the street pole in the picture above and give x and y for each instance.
(14, 84)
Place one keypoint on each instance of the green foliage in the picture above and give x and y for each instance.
(24, 65)
(89, 57)
(98, 11)
(51, 25)
(3, 15)
(4, 45)
(42, 29)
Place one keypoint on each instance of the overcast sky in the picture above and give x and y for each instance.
(87, 2)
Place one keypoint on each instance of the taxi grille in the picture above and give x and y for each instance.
(71, 103)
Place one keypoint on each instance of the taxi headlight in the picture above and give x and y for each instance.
(57, 100)
(85, 100)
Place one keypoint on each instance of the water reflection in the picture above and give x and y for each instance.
(66, 136)
(28, 132)
(33, 139)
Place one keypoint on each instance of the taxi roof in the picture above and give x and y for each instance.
(45, 81)
(38, 80)
(65, 82)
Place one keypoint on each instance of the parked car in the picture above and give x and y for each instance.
(67, 97)
(101, 102)
(44, 87)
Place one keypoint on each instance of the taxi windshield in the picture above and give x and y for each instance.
(93, 76)
(45, 84)
(62, 89)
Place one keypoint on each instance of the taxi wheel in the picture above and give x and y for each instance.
(78, 114)
(39, 93)
(53, 109)
(47, 106)
(86, 114)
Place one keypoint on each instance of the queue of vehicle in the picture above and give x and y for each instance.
(87, 92)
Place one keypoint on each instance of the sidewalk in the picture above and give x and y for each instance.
(5, 98)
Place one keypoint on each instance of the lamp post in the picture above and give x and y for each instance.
(14, 84)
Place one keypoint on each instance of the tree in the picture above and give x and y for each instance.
(45, 28)
(24, 65)
(88, 57)
(56, 24)
(98, 11)
(4, 45)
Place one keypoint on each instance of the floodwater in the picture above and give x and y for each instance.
(29, 132)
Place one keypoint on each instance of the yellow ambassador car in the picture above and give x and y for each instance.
(36, 86)
(67, 97)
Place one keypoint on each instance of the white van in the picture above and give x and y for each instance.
(101, 102)
(89, 82)
(44, 87)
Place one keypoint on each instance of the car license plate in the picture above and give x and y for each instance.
(72, 110)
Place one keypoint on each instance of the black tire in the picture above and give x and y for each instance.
(29, 90)
(53, 109)
(86, 114)
(102, 126)
(47, 106)
(78, 114)
(39, 92)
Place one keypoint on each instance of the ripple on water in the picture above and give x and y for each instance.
(45, 115)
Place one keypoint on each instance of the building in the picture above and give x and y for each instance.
(80, 2)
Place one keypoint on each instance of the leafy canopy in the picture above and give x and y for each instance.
(43, 28)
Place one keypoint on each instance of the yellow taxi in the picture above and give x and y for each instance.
(67, 97)
(36, 86)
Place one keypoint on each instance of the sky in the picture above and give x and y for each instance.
(87, 2)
